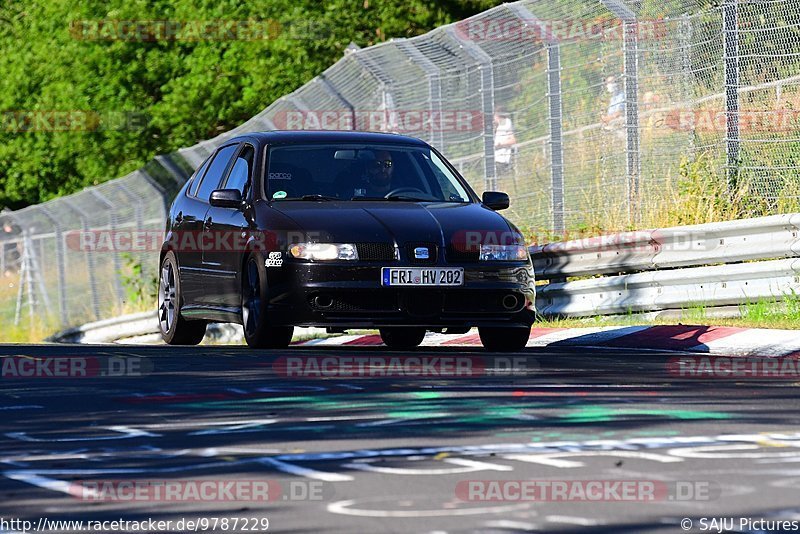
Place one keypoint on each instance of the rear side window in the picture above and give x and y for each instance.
(214, 174)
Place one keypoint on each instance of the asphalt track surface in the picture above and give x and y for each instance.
(395, 453)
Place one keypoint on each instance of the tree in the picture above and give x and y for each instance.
(84, 99)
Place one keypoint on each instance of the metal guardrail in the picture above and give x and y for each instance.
(110, 330)
(671, 268)
(142, 329)
(710, 265)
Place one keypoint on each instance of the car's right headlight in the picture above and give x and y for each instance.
(324, 251)
(504, 253)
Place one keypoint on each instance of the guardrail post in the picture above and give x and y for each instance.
(331, 90)
(730, 25)
(487, 103)
(434, 88)
(60, 265)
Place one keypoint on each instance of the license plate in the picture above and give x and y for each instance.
(421, 276)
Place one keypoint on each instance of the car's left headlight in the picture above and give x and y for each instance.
(324, 251)
(504, 253)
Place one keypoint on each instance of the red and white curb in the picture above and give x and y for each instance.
(720, 340)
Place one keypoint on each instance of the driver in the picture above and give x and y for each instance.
(377, 179)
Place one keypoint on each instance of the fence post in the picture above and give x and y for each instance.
(434, 88)
(264, 121)
(630, 49)
(89, 257)
(556, 141)
(174, 170)
(730, 24)
(297, 102)
(112, 222)
(556, 121)
(331, 90)
(487, 103)
(384, 82)
(137, 206)
(60, 265)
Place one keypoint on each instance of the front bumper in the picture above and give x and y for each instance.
(350, 295)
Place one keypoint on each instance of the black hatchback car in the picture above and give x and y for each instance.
(341, 230)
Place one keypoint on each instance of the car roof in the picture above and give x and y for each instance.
(329, 136)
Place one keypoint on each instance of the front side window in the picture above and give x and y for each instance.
(348, 171)
(240, 174)
(213, 176)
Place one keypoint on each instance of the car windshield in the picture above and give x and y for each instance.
(360, 172)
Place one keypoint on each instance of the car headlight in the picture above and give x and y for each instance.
(324, 251)
(504, 253)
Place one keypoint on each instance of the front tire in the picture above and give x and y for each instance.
(257, 333)
(175, 330)
(506, 339)
(402, 338)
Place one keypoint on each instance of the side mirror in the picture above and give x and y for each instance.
(226, 198)
(495, 200)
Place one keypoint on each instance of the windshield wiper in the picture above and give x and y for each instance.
(408, 198)
(318, 197)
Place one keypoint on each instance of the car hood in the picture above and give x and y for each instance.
(401, 222)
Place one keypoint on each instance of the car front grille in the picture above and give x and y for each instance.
(458, 252)
(355, 302)
(422, 303)
(375, 251)
(488, 302)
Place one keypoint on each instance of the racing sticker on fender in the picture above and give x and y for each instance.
(274, 260)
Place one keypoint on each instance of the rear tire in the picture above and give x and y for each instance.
(257, 333)
(175, 330)
(504, 339)
(402, 337)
